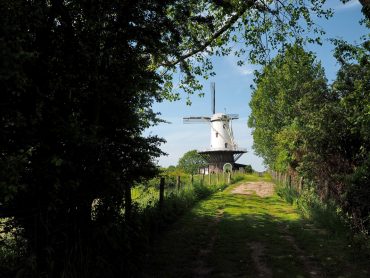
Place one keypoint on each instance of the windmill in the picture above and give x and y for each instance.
(223, 148)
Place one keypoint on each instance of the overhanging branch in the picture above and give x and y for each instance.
(218, 33)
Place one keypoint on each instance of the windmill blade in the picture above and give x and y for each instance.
(213, 93)
(195, 120)
(233, 116)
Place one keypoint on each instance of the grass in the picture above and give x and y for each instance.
(221, 246)
(128, 240)
(147, 195)
(205, 230)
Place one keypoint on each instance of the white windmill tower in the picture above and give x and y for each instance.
(223, 148)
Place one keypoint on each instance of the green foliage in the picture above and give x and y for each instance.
(222, 225)
(237, 177)
(201, 191)
(191, 161)
(357, 196)
(209, 27)
(287, 91)
(302, 125)
(341, 145)
(248, 169)
(325, 214)
(76, 98)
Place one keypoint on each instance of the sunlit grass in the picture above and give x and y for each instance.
(246, 219)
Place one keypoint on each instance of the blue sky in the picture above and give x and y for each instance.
(233, 92)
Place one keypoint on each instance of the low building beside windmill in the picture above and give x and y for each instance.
(223, 149)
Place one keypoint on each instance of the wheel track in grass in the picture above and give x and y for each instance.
(248, 231)
(266, 189)
(201, 268)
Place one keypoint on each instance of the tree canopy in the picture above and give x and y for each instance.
(207, 28)
(302, 125)
(191, 161)
(287, 92)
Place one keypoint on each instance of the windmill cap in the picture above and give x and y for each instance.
(219, 116)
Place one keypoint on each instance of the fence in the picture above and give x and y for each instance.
(161, 188)
(292, 181)
(212, 179)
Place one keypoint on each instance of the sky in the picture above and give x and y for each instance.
(233, 93)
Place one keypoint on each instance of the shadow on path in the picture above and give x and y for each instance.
(238, 235)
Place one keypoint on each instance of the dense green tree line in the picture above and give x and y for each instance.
(303, 125)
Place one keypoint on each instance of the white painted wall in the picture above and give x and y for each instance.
(221, 136)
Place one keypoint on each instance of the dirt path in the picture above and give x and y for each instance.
(262, 189)
(266, 189)
(248, 231)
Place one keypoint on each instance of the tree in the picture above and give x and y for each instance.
(302, 126)
(207, 27)
(287, 92)
(344, 143)
(76, 97)
(190, 163)
(78, 79)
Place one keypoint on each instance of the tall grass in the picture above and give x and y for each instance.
(118, 248)
(326, 214)
(147, 194)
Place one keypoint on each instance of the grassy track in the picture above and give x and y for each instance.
(233, 235)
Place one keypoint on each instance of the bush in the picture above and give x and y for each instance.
(202, 191)
(327, 215)
(248, 169)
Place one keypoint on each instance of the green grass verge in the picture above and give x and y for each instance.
(221, 246)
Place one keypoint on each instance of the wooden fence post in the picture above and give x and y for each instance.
(228, 178)
(209, 178)
(203, 178)
(280, 177)
(161, 192)
(218, 178)
(285, 179)
(289, 181)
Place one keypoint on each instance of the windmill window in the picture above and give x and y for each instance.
(216, 134)
(225, 145)
(224, 126)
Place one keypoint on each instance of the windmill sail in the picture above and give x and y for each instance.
(213, 93)
(232, 116)
(194, 120)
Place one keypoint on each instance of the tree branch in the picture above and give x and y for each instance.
(365, 7)
(218, 33)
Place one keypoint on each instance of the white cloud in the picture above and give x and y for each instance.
(246, 71)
